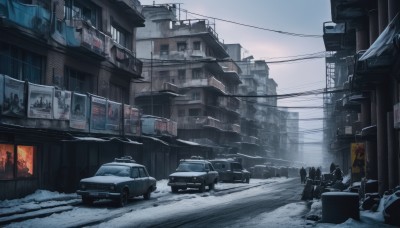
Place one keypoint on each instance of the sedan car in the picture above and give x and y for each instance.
(231, 171)
(119, 181)
(193, 174)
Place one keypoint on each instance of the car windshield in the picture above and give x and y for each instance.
(119, 171)
(190, 167)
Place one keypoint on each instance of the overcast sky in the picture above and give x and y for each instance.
(295, 16)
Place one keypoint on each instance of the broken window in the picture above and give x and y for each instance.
(19, 163)
(25, 161)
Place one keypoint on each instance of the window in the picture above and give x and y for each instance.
(182, 75)
(135, 172)
(119, 93)
(82, 10)
(120, 35)
(16, 164)
(181, 112)
(196, 45)
(196, 73)
(20, 64)
(195, 96)
(142, 172)
(164, 49)
(181, 46)
(194, 112)
(77, 81)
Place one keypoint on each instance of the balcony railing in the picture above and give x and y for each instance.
(232, 128)
(199, 122)
(206, 82)
(250, 139)
(229, 103)
(125, 59)
(32, 17)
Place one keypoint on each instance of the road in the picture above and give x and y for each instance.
(238, 209)
(229, 205)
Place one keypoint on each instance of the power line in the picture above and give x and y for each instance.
(289, 95)
(256, 27)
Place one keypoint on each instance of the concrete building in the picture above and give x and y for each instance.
(365, 34)
(187, 77)
(66, 74)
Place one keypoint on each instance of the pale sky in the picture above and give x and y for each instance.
(295, 16)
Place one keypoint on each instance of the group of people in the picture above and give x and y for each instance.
(313, 174)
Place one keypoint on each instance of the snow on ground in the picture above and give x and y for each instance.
(285, 216)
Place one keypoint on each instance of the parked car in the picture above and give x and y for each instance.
(119, 181)
(193, 174)
(262, 172)
(231, 171)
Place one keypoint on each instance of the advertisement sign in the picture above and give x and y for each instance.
(127, 120)
(61, 104)
(78, 118)
(136, 127)
(14, 97)
(40, 101)
(113, 115)
(358, 160)
(98, 113)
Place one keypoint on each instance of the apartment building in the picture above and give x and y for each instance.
(66, 72)
(366, 34)
(187, 77)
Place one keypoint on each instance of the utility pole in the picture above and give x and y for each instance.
(151, 82)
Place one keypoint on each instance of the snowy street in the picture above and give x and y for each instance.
(262, 203)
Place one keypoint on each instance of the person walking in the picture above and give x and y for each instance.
(303, 174)
(332, 168)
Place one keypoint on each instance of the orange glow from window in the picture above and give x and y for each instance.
(6, 161)
(25, 155)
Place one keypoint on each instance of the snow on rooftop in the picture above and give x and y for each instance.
(188, 142)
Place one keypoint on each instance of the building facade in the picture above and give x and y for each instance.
(364, 34)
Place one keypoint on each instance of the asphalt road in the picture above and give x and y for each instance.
(225, 215)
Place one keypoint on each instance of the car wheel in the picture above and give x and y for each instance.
(87, 200)
(146, 196)
(174, 189)
(202, 187)
(211, 186)
(123, 200)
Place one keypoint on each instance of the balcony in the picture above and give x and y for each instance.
(125, 59)
(250, 139)
(133, 9)
(206, 82)
(235, 128)
(333, 34)
(32, 17)
(169, 87)
(199, 122)
(229, 103)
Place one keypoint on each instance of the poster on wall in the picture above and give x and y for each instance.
(14, 97)
(78, 119)
(62, 104)
(136, 127)
(113, 115)
(98, 113)
(40, 101)
(358, 160)
(127, 121)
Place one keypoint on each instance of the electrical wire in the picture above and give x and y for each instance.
(256, 27)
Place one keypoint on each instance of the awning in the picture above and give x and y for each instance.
(155, 139)
(94, 139)
(188, 142)
(382, 51)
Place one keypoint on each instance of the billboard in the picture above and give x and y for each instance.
(14, 97)
(98, 113)
(61, 104)
(113, 115)
(40, 101)
(78, 118)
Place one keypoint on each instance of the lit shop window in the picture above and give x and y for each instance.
(6, 161)
(25, 160)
